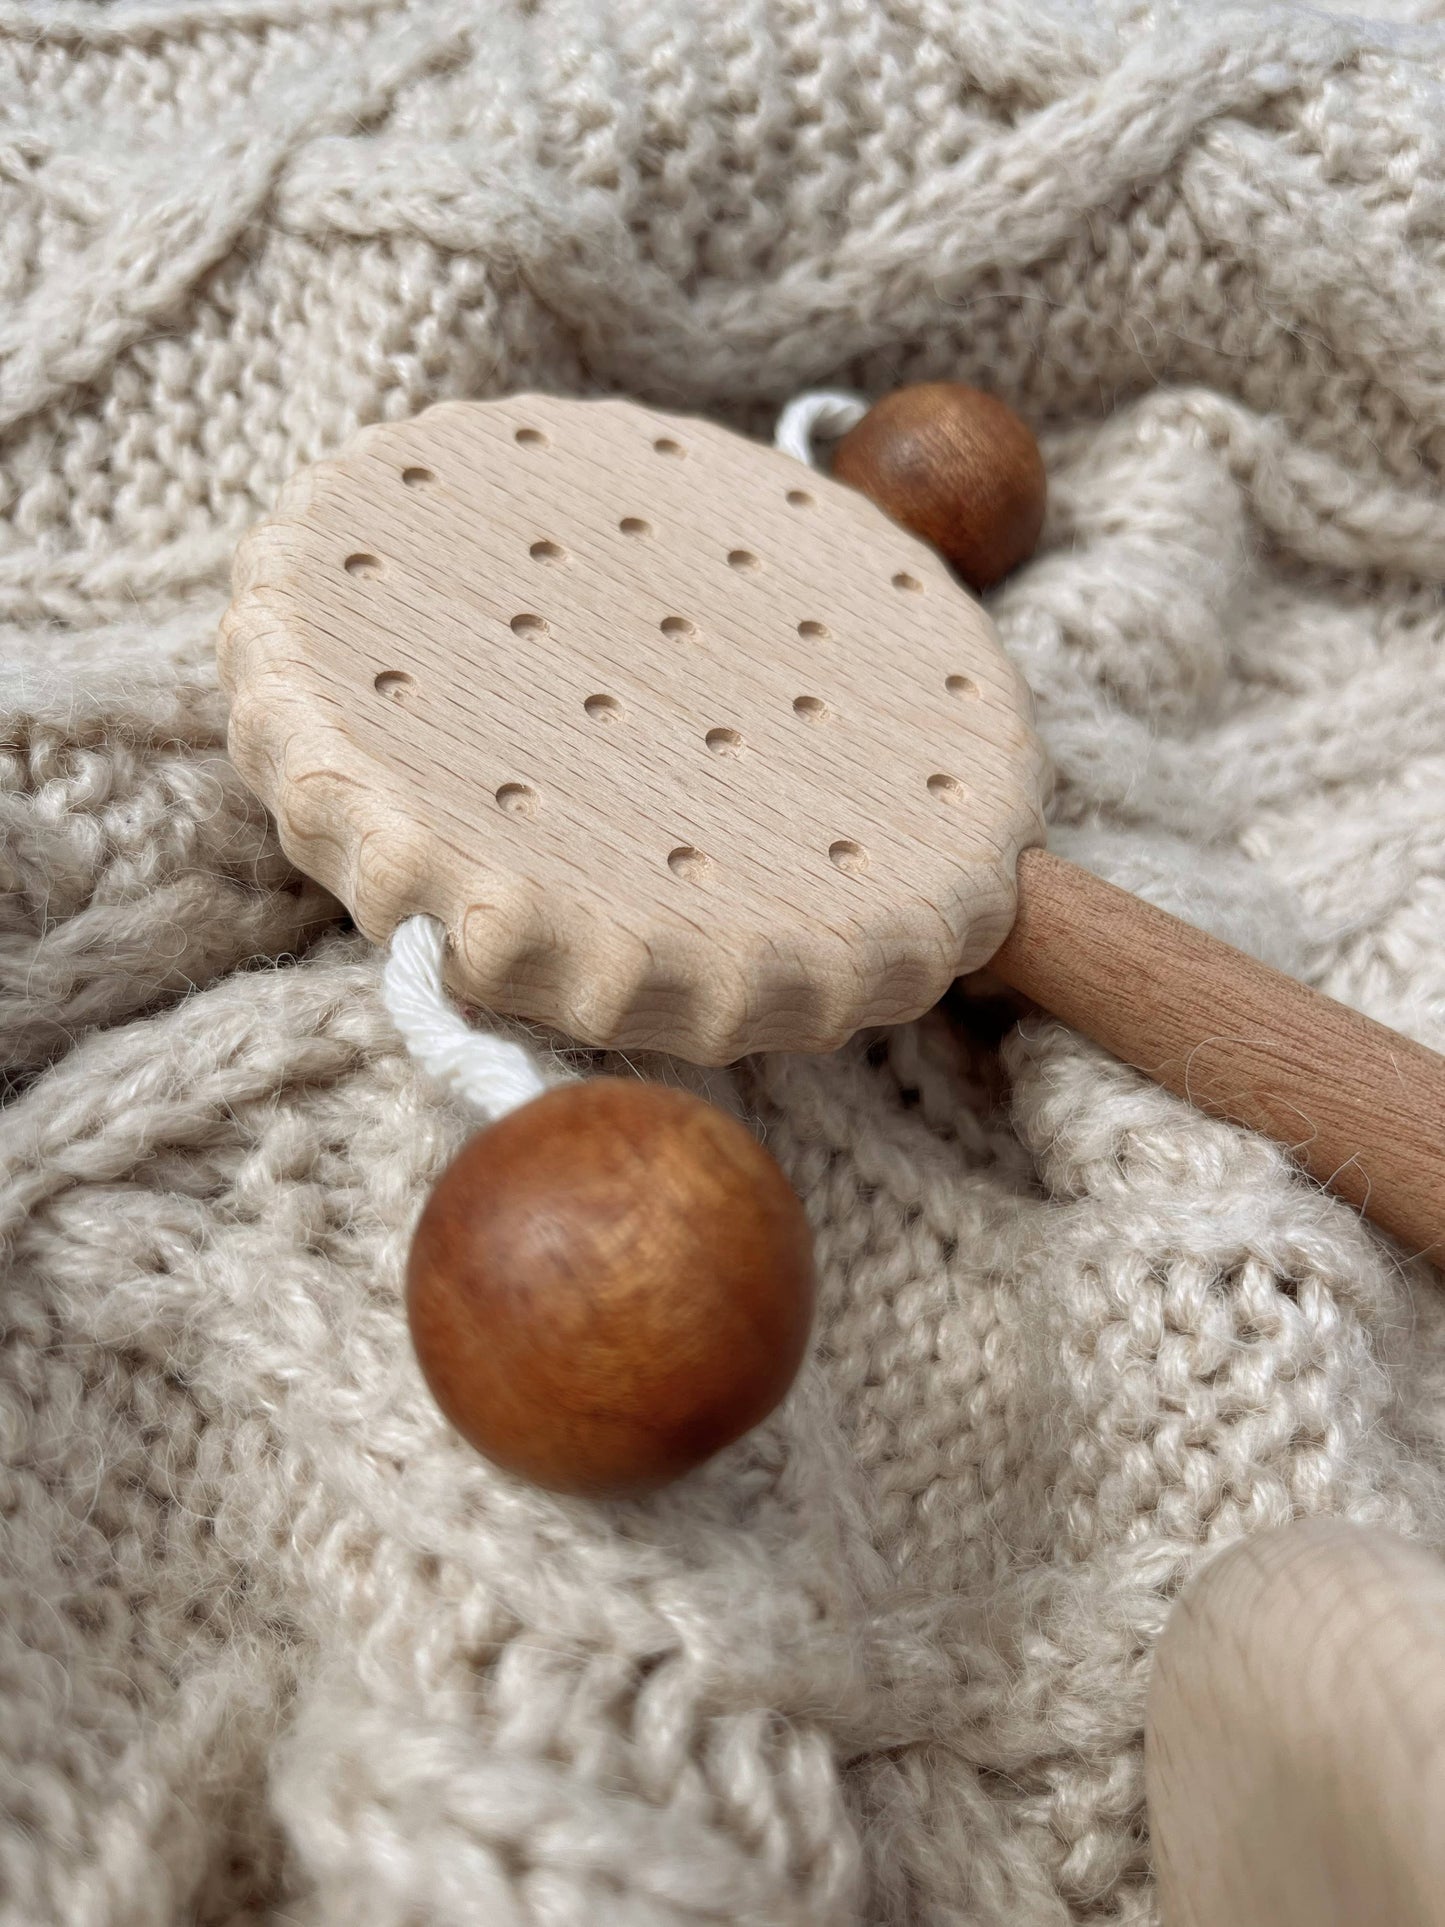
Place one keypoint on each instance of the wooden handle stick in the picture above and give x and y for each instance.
(1362, 1108)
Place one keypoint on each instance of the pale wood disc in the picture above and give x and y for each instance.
(689, 746)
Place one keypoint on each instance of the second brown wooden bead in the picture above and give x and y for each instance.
(957, 467)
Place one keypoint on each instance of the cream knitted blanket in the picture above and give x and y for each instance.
(275, 1646)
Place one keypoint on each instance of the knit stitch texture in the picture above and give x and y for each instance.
(274, 1645)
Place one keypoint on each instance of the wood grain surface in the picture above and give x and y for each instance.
(1295, 1744)
(1361, 1107)
(689, 746)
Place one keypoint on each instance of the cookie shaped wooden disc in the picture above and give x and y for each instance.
(688, 746)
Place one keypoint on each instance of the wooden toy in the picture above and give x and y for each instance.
(609, 1284)
(691, 747)
(957, 467)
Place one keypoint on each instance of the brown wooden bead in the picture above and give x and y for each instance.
(957, 467)
(609, 1285)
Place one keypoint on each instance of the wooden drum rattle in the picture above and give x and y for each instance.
(691, 748)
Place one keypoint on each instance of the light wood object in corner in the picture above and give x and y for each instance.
(694, 749)
(1295, 1747)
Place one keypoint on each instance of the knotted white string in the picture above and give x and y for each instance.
(819, 411)
(496, 1074)
(493, 1074)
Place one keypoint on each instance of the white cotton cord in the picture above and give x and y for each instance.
(818, 411)
(492, 1074)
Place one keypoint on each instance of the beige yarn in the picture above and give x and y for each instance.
(274, 1646)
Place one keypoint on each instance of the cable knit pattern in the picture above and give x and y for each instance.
(273, 1644)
